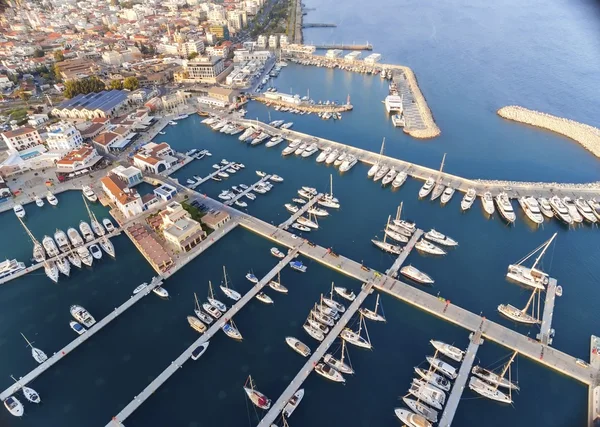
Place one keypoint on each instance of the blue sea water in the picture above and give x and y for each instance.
(470, 59)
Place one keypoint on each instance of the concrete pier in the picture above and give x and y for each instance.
(304, 208)
(310, 364)
(461, 380)
(594, 389)
(406, 250)
(345, 46)
(184, 357)
(207, 177)
(546, 326)
(250, 188)
(62, 353)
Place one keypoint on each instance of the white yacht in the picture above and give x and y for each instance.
(310, 150)
(432, 378)
(161, 292)
(19, 211)
(246, 134)
(393, 104)
(573, 211)
(212, 310)
(10, 267)
(229, 292)
(389, 177)
(307, 222)
(560, 210)
(74, 259)
(89, 193)
(74, 237)
(50, 247)
(345, 293)
(487, 201)
(301, 227)
(262, 297)
(95, 251)
(51, 270)
(291, 207)
(585, 210)
(443, 367)
(426, 188)
(438, 190)
(108, 225)
(354, 337)
(493, 378)
(339, 364)
(86, 231)
(447, 195)
(39, 202)
(97, 228)
(63, 266)
(61, 239)
(324, 154)
(411, 419)
(421, 408)
(348, 163)
(199, 351)
(486, 390)
(275, 178)
(505, 207)
(298, 346)
(400, 179)
(532, 209)
(82, 316)
(448, 350)
(14, 406)
(84, 254)
(274, 141)
(293, 403)
(545, 207)
(332, 156)
(427, 393)
(39, 254)
(313, 332)
(416, 275)
(328, 372)
(383, 170)
(51, 198)
(468, 199)
(77, 327)
(387, 247)
(429, 248)
(318, 211)
(373, 170)
(442, 239)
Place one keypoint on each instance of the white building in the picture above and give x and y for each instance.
(126, 199)
(273, 41)
(352, 56)
(112, 57)
(78, 160)
(283, 40)
(302, 49)
(372, 58)
(333, 53)
(242, 55)
(22, 138)
(63, 137)
(155, 158)
(261, 42)
(37, 119)
(284, 97)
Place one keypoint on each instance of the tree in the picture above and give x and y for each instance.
(116, 84)
(192, 55)
(24, 95)
(56, 70)
(131, 83)
(59, 56)
(38, 53)
(87, 85)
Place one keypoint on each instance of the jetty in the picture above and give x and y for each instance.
(317, 25)
(66, 350)
(366, 46)
(303, 105)
(250, 188)
(305, 207)
(475, 341)
(310, 364)
(545, 335)
(185, 356)
(406, 250)
(207, 177)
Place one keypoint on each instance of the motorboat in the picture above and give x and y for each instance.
(39, 254)
(531, 276)
(493, 378)
(331, 303)
(274, 141)
(199, 351)
(287, 125)
(39, 202)
(573, 211)
(395, 234)
(261, 174)
(223, 174)
(276, 178)
(226, 195)
(161, 292)
(97, 228)
(426, 188)
(448, 350)
(74, 259)
(231, 331)
(212, 310)
(387, 247)
(298, 266)
(298, 346)
(260, 138)
(311, 320)
(421, 408)
(443, 367)
(345, 293)
(82, 316)
(373, 170)
(51, 270)
(531, 208)
(432, 378)
(262, 297)
(332, 157)
(95, 251)
(277, 253)
(50, 247)
(299, 201)
(505, 207)
(89, 193)
(300, 149)
(256, 397)
(63, 266)
(84, 255)
(190, 181)
(447, 195)
(74, 237)
(400, 179)
(293, 403)
(291, 207)
(324, 154)
(545, 207)
(381, 172)
(486, 390)
(427, 393)
(487, 201)
(585, 210)
(442, 239)
(291, 148)
(429, 248)
(411, 419)
(140, 288)
(196, 324)
(595, 207)
(389, 177)
(77, 327)
(560, 210)
(340, 159)
(246, 134)
(51, 198)
(251, 277)
(14, 406)
(313, 332)
(328, 372)
(348, 163)
(86, 231)
(468, 199)
(416, 275)
(241, 204)
(300, 227)
(62, 241)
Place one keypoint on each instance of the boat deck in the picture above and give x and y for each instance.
(546, 326)
(310, 364)
(250, 188)
(305, 207)
(461, 381)
(66, 350)
(185, 356)
(393, 270)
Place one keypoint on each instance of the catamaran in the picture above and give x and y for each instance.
(434, 379)
(521, 315)
(355, 337)
(256, 397)
(531, 208)
(339, 365)
(373, 314)
(213, 301)
(277, 286)
(375, 168)
(448, 350)
(427, 393)
(38, 355)
(443, 367)
(505, 207)
(489, 391)
(442, 239)
(429, 248)
(421, 408)
(416, 275)
(531, 277)
(230, 293)
(426, 188)
(298, 346)
(196, 324)
(468, 199)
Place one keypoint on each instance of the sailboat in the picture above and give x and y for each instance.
(332, 303)
(372, 315)
(29, 393)
(96, 226)
(531, 277)
(215, 302)
(421, 408)
(493, 378)
(439, 187)
(407, 226)
(230, 293)
(328, 200)
(231, 330)
(39, 254)
(339, 365)
(355, 337)
(377, 164)
(521, 315)
(38, 355)
(201, 315)
(328, 372)
(489, 391)
(387, 247)
(256, 397)
(277, 286)
(393, 234)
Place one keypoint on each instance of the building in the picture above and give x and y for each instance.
(126, 199)
(155, 158)
(234, 20)
(90, 132)
(283, 97)
(179, 228)
(5, 192)
(92, 105)
(105, 141)
(22, 138)
(222, 94)
(202, 69)
(183, 49)
(273, 41)
(219, 51)
(221, 32)
(215, 219)
(112, 57)
(131, 175)
(63, 137)
(261, 42)
(165, 192)
(352, 56)
(244, 55)
(298, 49)
(172, 100)
(75, 68)
(372, 58)
(37, 119)
(80, 160)
(283, 40)
(333, 53)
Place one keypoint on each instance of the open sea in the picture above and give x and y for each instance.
(470, 59)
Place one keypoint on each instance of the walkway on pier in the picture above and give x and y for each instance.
(546, 326)
(250, 188)
(184, 357)
(461, 380)
(59, 355)
(207, 177)
(310, 364)
(305, 207)
(393, 270)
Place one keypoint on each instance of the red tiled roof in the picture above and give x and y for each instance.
(105, 138)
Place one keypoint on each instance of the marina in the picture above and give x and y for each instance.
(303, 209)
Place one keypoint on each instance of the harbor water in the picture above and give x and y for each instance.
(470, 60)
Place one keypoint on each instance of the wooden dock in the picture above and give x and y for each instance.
(406, 250)
(304, 208)
(461, 380)
(545, 335)
(184, 357)
(310, 364)
(66, 350)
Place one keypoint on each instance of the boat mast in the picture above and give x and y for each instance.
(376, 304)
(331, 185)
(197, 303)
(399, 211)
(31, 236)
(225, 277)
(381, 152)
(506, 367)
(25, 338)
(210, 289)
(443, 160)
(331, 294)
(366, 330)
(543, 251)
(529, 303)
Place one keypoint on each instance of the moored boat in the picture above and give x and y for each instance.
(416, 275)
(443, 367)
(429, 248)
(448, 350)
(196, 324)
(411, 419)
(298, 346)
(442, 239)
(328, 372)
(256, 397)
(468, 199)
(293, 403)
(82, 315)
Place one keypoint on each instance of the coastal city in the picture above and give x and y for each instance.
(210, 203)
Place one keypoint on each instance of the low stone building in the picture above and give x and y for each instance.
(215, 219)
(179, 228)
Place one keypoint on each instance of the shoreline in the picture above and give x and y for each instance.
(587, 136)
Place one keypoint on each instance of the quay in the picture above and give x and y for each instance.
(39, 265)
(250, 188)
(212, 330)
(207, 177)
(406, 250)
(345, 46)
(304, 106)
(461, 381)
(310, 364)
(317, 25)
(545, 335)
(184, 162)
(305, 207)
(60, 355)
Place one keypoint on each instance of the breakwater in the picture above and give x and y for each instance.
(586, 135)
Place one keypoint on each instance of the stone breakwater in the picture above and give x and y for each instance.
(586, 135)
(544, 185)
